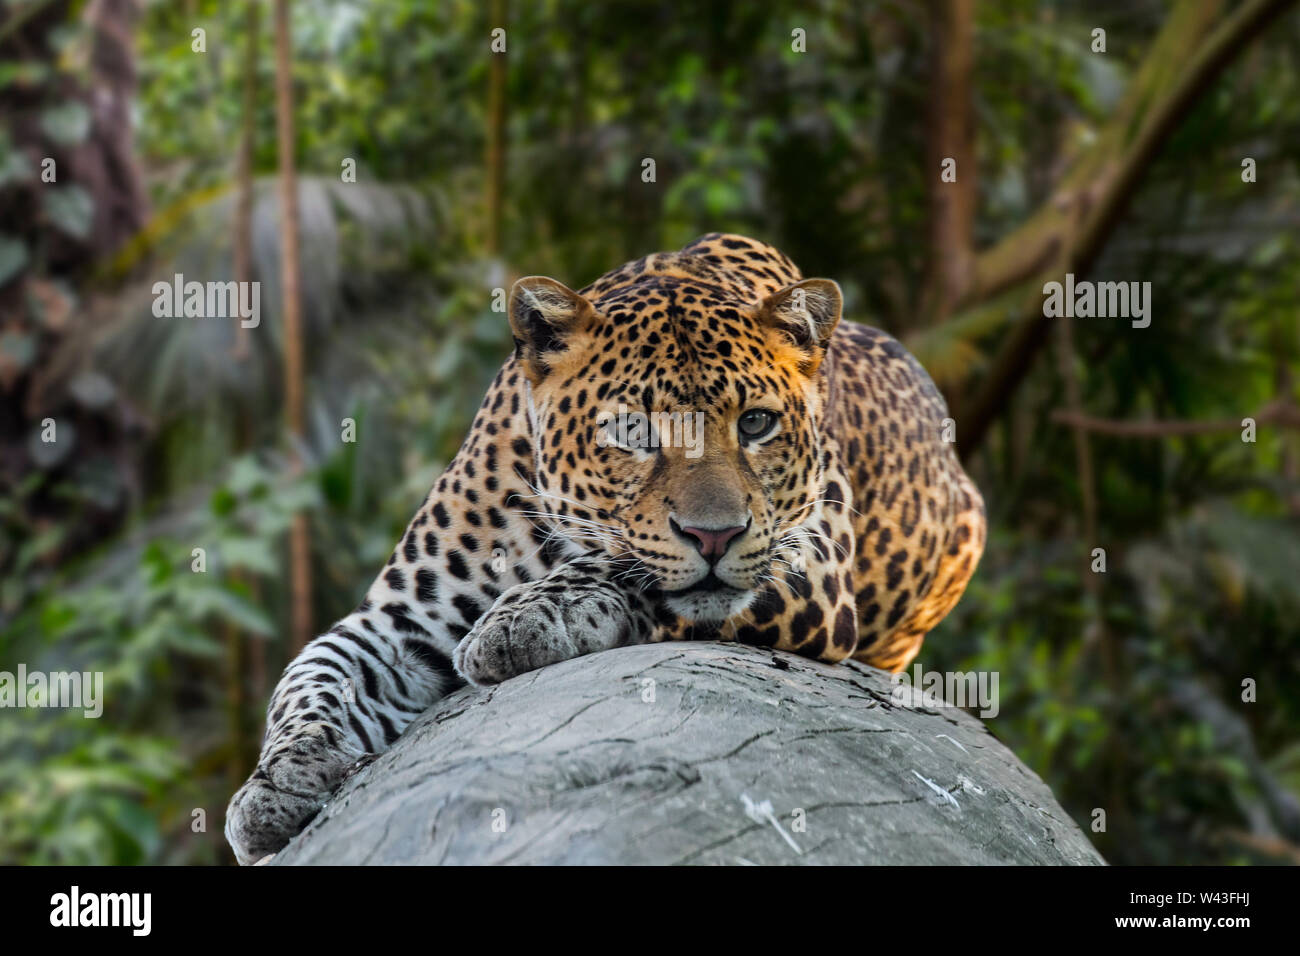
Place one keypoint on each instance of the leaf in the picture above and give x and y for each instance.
(26, 74)
(68, 124)
(14, 166)
(246, 476)
(17, 350)
(13, 257)
(71, 209)
(250, 553)
(92, 389)
(233, 608)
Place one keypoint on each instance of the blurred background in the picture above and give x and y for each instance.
(821, 127)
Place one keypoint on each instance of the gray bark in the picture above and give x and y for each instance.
(581, 763)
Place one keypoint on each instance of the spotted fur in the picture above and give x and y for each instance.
(847, 529)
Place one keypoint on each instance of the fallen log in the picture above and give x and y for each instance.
(693, 753)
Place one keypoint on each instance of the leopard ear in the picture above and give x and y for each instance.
(543, 316)
(806, 313)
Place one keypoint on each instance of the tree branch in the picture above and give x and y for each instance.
(1102, 207)
(1282, 414)
(1036, 245)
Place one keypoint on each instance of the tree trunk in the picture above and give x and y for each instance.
(693, 753)
(243, 237)
(950, 135)
(495, 160)
(300, 630)
(56, 254)
(242, 654)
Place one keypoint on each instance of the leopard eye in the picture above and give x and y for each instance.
(630, 431)
(756, 423)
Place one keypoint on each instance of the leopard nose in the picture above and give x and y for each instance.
(712, 543)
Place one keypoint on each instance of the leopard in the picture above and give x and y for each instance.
(693, 447)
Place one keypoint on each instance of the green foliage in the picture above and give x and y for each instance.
(139, 615)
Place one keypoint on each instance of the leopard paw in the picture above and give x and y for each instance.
(533, 625)
(262, 819)
(288, 789)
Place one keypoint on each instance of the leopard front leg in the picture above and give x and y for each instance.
(345, 698)
(580, 608)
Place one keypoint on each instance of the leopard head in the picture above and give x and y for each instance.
(676, 421)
